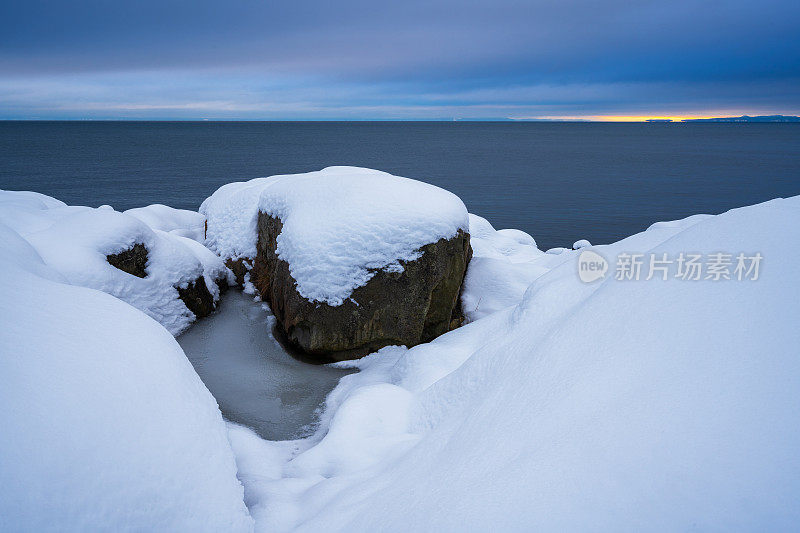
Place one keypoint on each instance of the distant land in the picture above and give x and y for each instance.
(746, 118)
(743, 118)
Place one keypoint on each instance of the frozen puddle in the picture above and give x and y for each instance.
(255, 382)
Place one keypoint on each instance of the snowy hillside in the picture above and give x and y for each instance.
(651, 384)
(619, 404)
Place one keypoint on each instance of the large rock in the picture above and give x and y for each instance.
(350, 259)
(408, 307)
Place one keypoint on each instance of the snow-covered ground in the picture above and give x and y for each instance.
(563, 405)
(180, 222)
(105, 425)
(607, 404)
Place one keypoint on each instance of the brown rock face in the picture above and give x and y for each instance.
(133, 260)
(197, 297)
(239, 269)
(408, 308)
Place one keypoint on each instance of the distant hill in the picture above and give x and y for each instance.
(746, 118)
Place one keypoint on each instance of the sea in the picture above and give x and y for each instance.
(558, 181)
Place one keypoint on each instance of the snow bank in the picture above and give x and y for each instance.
(105, 425)
(75, 241)
(504, 263)
(647, 405)
(340, 224)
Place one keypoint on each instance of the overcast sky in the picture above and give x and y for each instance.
(352, 59)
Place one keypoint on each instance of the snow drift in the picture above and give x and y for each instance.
(105, 425)
(656, 405)
(190, 224)
(562, 405)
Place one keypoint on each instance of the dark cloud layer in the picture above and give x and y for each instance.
(434, 55)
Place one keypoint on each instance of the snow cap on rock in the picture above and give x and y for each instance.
(340, 224)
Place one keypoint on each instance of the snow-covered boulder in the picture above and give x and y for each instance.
(349, 259)
(172, 278)
(105, 424)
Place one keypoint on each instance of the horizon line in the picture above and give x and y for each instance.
(592, 119)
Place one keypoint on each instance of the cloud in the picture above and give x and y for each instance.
(355, 58)
(238, 95)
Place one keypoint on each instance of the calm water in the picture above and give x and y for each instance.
(557, 181)
(255, 382)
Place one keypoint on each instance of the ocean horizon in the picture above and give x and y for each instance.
(558, 181)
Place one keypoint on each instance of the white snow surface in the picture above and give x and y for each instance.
(340, 224)
(560, 406)
(182, 222)
(504, 263)
(105, 424)
(74, 241)
(567, 406)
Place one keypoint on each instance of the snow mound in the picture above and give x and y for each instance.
(182, 222)
(28, 200)
(105, 425)
(504, 263)
(612, 405)
(75, 241)
(340, 224)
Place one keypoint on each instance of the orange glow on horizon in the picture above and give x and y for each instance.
(629, 118)
(636, 118)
